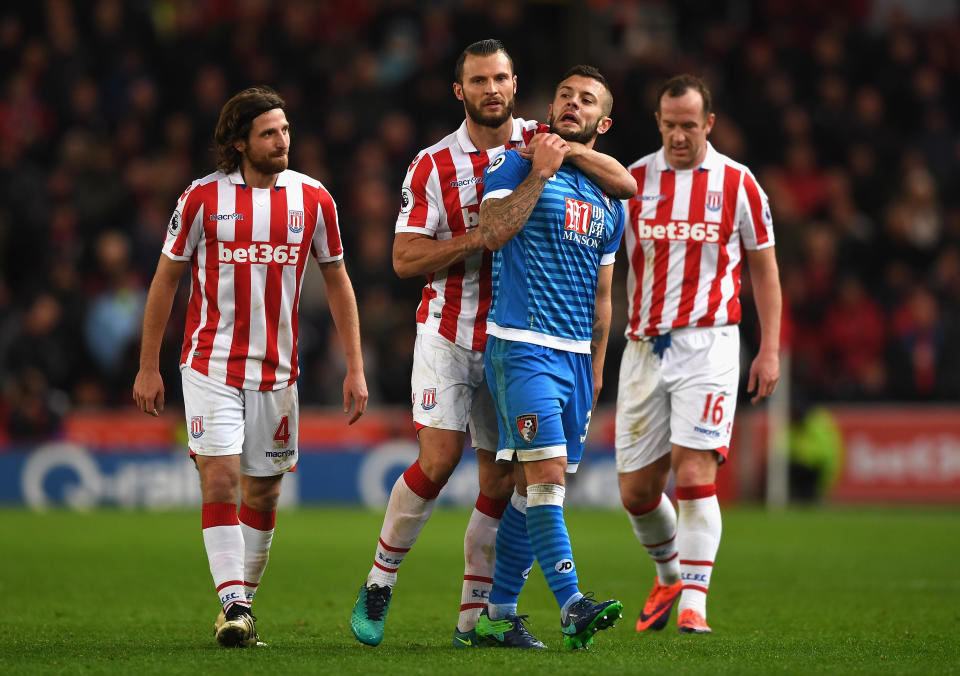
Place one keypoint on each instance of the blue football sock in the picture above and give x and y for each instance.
(551, 543)
(514, 559)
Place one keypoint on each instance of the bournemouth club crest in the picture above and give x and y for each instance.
(527, 426)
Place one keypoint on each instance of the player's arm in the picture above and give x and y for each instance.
(765, 277)
(502, 219)
(415, 254)
(601, 327)
(612, 177)
(343, 309)
(148, 390)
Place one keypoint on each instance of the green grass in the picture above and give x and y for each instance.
(841, 591)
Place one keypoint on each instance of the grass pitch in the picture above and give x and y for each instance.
(843, 591)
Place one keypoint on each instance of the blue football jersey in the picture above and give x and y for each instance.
(545, 278)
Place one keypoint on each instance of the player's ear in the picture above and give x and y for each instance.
(514, 84)
(709, 125)
(603, 126)
(458, 91)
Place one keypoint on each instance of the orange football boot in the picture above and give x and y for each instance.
(692, 622)
(656, 611)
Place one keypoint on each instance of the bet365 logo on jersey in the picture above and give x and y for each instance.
(258, 253)
(679, 231)
(584, 223)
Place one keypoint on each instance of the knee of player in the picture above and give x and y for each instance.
(496, 482)
(438, 466)
(695, 467)
(637, 498)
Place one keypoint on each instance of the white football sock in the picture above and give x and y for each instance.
(656, 529)
(257, 528)
(699, 526)
(411, 503)
(479, 545)
(223, 541)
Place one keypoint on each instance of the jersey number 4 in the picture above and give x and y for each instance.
(283, 431)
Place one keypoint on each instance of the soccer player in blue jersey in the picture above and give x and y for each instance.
(555, 234)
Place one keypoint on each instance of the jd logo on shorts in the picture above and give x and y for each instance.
(527, 426)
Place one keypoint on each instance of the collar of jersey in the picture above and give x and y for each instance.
(236, 178)
(710, 162)
(463, 138)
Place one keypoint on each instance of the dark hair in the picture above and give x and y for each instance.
(236, 119)
(592, 73)
(479, 48)
(678, 86)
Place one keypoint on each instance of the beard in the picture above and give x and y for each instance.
(488, 119)
(584, 136)
(266, 164)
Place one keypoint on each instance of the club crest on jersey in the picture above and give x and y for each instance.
(174, 223)
(295, 220)
(406, 201)
(497, 161)
(584, 223)
(714, 200)
(196, 426)
(429, 398)
(527, 426)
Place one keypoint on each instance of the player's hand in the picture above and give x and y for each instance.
(355, 392)
(548, 155)
(597, 386)
(764, 374)
(148, 392)
(527, 151)
(574, 150)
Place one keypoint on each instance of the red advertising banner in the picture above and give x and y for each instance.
(899, 454)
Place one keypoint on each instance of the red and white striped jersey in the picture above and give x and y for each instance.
(441, 199)
(685, 235)
(248, 253)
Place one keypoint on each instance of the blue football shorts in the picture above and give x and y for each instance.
(543, 398)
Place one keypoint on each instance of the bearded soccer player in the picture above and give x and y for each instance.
(556, 234)
(247, 231)
(436, 236)
(696, 213)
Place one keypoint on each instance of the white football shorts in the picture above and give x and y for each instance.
(686, 397)
(450, 390)
(261, 427)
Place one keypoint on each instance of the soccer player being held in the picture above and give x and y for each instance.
(437, 236)
(247, 232)
(696, 211)
(555, 233)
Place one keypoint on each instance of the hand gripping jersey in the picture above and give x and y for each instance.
(248, 249)
(546, 276)
(441, 199)
(684, 238)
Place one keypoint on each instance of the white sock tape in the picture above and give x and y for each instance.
(545, 494)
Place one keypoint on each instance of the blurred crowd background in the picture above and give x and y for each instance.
(848, 112)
